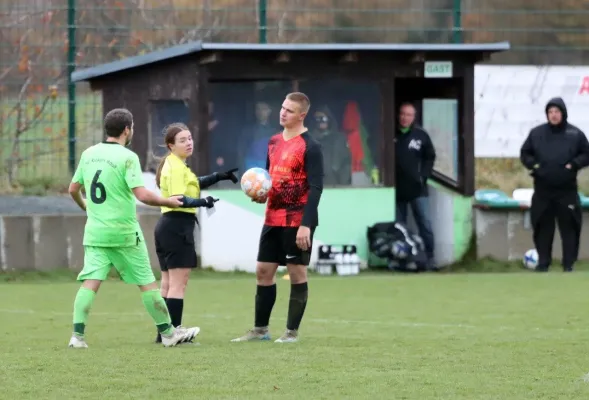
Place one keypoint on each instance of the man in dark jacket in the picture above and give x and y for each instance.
(337, 160)
(414, 158)
(554, 153)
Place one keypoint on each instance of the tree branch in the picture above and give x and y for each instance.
(28, 124)
(6, 72)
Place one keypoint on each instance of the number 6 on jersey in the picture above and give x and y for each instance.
(97, 189)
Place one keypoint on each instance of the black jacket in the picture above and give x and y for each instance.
(549, 148)
(414, 159)
(337, 160)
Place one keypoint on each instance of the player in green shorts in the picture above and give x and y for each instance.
(112, 178)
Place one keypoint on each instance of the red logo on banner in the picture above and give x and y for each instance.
(584, 89)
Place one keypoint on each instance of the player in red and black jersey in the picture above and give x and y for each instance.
(295, 163)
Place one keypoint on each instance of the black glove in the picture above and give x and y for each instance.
(210, 201)
(228, 175)
(191, 202)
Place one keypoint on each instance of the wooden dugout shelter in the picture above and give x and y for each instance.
(403, 72)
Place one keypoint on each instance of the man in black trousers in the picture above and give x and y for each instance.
(554, 152)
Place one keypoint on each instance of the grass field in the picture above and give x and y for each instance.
(376, 336)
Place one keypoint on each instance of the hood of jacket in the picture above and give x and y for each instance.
(559, 103)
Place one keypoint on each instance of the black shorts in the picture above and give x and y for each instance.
(174, 240)
(278, 244)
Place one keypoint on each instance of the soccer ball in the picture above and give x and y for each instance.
(531, 259)
(256, 183)
(400, 249)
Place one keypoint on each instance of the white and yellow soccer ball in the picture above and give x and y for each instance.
(256, 183)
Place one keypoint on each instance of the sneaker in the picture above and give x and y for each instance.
(77, 342)
(179, 335)
(289, 336)
(254, 334)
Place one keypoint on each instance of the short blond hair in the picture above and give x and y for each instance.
(302, 99)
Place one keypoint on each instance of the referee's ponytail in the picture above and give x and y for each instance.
(170, 133)
(158, 174)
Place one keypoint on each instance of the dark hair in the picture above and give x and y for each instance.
(170, 133)
(116, 121)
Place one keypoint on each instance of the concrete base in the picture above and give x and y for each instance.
(507, 234)
(45, 242)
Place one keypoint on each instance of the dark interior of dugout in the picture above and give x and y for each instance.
(187, 73)
(399, 77)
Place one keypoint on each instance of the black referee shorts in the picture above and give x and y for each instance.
(174, 240)
(278, 245)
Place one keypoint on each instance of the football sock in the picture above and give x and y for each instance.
(156, 307)
(82, 306)
(265, 299)
(175, 307)
(297, 304)
(158, 338)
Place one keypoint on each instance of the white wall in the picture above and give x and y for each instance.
(230, 237)
(510, 100)
(441, 207)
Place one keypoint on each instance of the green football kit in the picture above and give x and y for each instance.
(112, 235)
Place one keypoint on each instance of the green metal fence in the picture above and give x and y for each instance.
(44, 120)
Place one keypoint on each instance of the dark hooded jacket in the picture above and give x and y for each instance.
(549, 148)
(337, 160)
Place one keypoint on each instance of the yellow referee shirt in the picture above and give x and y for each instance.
(175, 179)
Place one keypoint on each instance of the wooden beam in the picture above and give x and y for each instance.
(283, 57)
(418, 57)
(349, 57)
(485, 57)
(211, 58)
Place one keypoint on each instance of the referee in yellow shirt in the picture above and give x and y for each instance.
(174, 232)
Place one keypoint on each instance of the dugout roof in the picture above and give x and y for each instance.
(204, 48)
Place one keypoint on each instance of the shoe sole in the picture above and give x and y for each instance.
(71, 346)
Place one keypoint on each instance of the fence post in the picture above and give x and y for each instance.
(71, 86)
(457, 21)
(262, 14)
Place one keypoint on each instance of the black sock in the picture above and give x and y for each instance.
(297, 305)
(158, 338)
(265, 299)
(175, 308)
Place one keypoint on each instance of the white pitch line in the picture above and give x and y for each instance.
(404, 324)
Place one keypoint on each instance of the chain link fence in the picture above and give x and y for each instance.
(40, 126)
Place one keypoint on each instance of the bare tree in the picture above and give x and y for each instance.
(28, 85)
(106, 30)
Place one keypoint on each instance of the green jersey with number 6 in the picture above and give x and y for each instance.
(109, 172)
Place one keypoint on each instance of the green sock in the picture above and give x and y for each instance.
(157, 308)
(82, 305)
